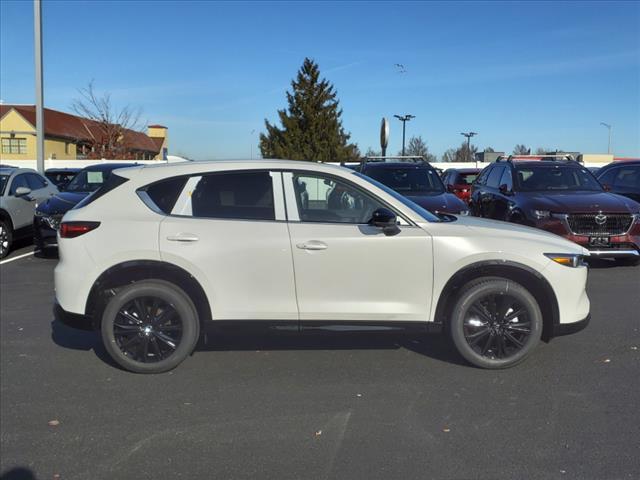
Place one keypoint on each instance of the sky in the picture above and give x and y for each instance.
(542, 74)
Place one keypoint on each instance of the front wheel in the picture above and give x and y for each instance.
(150, 327)
(495, 323)
(6, 238)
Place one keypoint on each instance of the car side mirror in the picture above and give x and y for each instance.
(505, 190)
(450, 188)
(22, 191)
(386, 220)
(606, 187)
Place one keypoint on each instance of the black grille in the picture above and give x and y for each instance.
(599, 224)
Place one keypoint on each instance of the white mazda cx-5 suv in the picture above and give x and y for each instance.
(161, 252)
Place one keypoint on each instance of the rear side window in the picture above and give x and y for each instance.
(230, 195)
(627, 177)
(493, 181)
(165, 193)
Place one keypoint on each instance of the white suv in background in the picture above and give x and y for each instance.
(161, 252)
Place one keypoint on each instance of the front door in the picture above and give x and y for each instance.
(230, 228)
(346, 269)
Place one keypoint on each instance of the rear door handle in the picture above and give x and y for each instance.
(183, 237)
(312, 245)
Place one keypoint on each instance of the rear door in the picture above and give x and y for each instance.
(346, 269)
(229, 228)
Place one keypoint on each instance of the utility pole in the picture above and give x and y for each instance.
(468, 135)
(608, 128)
(37, 28)
(404, 119)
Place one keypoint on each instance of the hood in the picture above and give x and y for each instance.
(581, 202)
(61, 202)
(443, 202)
(502, 232)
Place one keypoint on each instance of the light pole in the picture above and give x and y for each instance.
(37, 32)
(252, 132)
(468, 135)
(404, 119)
(608, 128)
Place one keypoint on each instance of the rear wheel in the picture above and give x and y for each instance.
(495, 323)
(6, 238)
(150, 327)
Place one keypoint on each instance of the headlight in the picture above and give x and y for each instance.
(540, 214)
(464, 213)
(567, 259)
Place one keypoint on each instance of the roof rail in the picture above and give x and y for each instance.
(396, 158)
(556, 157)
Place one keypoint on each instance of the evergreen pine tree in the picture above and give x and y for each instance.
(311, 126)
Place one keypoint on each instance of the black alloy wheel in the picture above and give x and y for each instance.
(148, 329)
(497, 326)
(495, 323)
(150, 326)
(5, 239)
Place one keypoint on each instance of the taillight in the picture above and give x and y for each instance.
(75, 229)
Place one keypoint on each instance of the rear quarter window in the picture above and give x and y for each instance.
(164, 194)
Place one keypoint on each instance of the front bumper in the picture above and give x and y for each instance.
(73, 320)
(569, 328)
(620, 246)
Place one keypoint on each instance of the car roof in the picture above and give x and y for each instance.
(624, 163)
(545, 163)
(464, 170)
(11, 170)
(62, 170)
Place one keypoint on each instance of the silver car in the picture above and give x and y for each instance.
(20, 190)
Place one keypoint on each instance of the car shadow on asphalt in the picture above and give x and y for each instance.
(434, 346)
(18, 473)
(603, 263)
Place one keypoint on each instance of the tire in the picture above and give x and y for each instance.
(6, 238)
(142, 322)
(483, 327)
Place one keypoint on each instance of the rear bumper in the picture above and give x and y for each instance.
(73, 320)
(569, 328)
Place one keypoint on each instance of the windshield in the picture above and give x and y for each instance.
(412, 180)
(3, 182)
(556, 177)
(88, 181)
(426, 214)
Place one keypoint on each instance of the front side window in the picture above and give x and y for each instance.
(628, 177)
(328, 200)
(229, 195)
(493, 181)
(19, 181)
(507, 179)
(556, 177)
(35, 181)
(14, 145)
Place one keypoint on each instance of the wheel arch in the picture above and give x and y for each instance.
(4, 215)
(134, 271)
(520, 273)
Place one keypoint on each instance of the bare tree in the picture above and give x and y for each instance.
(372, 153)
(108, 124)
(418, 147)
(489, 150)
(449, 155)
(521, 150)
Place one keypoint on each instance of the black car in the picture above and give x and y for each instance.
(562, 197)
(49, 213)
(61, 177)
(622, 178)
(419, 182)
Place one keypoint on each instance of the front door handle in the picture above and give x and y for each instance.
(183, 237)
(312, 245)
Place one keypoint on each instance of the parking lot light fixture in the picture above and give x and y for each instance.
(404, 119)
(468, 135)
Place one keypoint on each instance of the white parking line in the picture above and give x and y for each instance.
(16, 258)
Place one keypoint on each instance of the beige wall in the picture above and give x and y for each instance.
(13, 125)
(163, 133)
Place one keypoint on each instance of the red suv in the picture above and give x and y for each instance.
(459, 180)
(560, 196)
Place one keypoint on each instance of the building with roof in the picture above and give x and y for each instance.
(71, 137)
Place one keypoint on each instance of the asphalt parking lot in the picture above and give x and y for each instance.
(349, 407)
